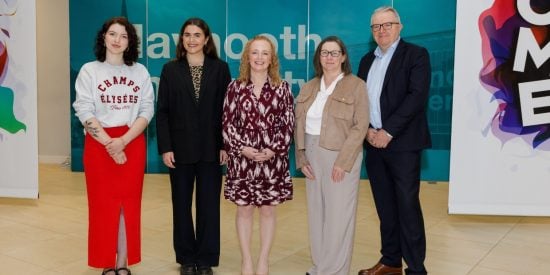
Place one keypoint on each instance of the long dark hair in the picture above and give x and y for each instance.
(130, 54)
(346, 65)
(209, 49)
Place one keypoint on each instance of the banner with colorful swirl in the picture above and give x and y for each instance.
(18, 99)
(500, 149)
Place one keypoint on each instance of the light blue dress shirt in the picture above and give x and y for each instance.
(375, 80)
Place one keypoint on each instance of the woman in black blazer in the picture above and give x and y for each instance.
(189, 111)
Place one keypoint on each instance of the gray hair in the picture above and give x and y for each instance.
(386, 9)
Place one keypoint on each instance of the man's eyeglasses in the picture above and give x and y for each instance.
(386, 26)
(334, 53)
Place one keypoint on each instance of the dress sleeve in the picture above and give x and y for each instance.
(283, 136)
(230, 121)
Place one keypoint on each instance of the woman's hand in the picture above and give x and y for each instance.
(308, 172)
(168, 159)
(119, 158)
(338, 174)
(251, 153)
(223, 157)
(115, 146)
(265, 154)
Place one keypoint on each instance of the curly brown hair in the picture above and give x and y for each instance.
(130, 55)
(273, 69)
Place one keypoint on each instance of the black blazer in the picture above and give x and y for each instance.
(189, 129)
(404, 96)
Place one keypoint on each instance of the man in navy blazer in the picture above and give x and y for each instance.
(398, 79)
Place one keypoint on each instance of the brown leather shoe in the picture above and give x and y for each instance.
(381, 269)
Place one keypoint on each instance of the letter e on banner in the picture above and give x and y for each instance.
(534, 98)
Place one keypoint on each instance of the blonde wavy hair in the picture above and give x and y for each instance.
(272, 70)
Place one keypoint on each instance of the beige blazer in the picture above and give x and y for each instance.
(344, 124)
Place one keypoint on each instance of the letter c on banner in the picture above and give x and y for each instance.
(524, 8)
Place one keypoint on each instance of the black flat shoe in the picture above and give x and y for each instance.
(106, 271)
(188, 270)
(204, 270)
(126, 270)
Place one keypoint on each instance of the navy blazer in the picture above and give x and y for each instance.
(190, 129)
(404, 97)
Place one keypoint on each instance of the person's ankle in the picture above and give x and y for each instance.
(123, 270)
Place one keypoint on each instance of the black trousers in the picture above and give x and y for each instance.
(395, 184)
(198, 245)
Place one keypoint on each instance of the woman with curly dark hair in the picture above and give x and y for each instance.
(114, 102)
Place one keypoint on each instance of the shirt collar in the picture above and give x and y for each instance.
(332, 85)
(378, 52)
(267, 81)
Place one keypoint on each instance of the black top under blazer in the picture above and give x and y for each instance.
(404, 96)
(190, 129)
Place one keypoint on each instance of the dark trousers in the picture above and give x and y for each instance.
(395, 184)
(201, 246)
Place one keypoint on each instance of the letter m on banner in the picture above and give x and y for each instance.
(534, 96)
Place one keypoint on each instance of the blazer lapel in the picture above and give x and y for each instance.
(307, 96)
(206, 68)
(370, 60)
(395, 60)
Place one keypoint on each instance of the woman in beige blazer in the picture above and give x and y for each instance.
(332, 118)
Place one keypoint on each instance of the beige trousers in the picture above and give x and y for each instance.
(331, 211)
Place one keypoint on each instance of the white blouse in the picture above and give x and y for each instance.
(314, 117)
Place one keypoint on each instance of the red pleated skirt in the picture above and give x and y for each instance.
(113, 188)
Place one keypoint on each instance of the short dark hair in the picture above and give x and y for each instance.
(131, 53)
(209, 49)
(346, 65)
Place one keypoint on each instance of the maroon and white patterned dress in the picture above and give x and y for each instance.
(264, 122)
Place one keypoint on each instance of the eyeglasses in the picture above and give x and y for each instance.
(386, 26)
(335, 53)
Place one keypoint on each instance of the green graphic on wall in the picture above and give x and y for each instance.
(8, 121)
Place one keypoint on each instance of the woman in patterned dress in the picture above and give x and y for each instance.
(258, 121)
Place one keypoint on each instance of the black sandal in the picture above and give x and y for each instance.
(128, 272)
(108, 270)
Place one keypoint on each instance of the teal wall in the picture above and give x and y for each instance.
(430, 23)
